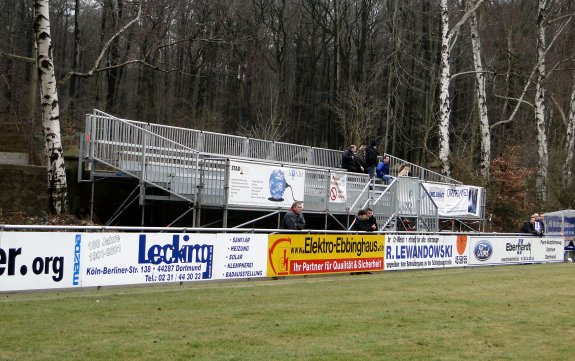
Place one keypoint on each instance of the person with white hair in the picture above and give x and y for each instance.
(533, 226)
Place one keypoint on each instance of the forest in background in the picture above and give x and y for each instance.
(324, 73)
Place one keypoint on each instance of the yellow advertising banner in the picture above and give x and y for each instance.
(303, 254)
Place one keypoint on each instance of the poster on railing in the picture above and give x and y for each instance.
(37, 260)
(305, 254)
(455, 200)
(130, 258)
(261, 185)
(494, 250)
(421, 251)
(337, 188)
(44, 260)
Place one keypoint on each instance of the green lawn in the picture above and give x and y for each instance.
(490, 313)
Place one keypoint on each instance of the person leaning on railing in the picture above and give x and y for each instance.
(361, 222)
(371, 219)
(404, 170)
(533, 226)
(294, 219)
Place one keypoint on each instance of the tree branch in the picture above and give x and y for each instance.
(136, 61)
(104, 49)
(468, 13)
(471, 72)
(520, 100)
(17, 57)
(516, 99)
(561, 112)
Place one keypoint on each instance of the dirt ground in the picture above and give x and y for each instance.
(21, 218)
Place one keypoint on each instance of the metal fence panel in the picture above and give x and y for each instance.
(316, 190)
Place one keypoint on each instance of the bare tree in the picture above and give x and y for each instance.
(540, 90)
(570, 142)
(357, 116)
(481, 96)
(448, 38)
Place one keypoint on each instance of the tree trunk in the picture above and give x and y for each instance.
(57, 185)
(570, 142)
(541, 179)
(481, 95)
(444, 100)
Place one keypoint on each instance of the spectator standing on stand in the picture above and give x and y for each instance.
(371, 155)
(360, 157)
(348, 159)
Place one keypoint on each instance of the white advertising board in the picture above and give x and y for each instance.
(486, 250)
(413, 251)
(453, 200)
(34, 260)
(60, 260)
(338, 188)
(264, 185)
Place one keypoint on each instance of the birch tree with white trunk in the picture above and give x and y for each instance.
(481, 97)
(57, 185)
(570, 142)
(448, 38)
(540, 118)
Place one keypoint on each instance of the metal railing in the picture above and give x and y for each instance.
(114, 144)
(238, 146)
(218, 144)
(194, 166)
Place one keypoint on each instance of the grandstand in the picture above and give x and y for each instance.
(233, 174)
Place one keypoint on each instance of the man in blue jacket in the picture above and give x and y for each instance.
(382, 170)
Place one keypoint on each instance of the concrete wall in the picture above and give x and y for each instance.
(23, 188)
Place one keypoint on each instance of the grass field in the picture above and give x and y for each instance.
(490, 313)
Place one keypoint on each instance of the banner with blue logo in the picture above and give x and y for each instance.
(264, 185)
(492, 250)
(417, 251)
(129, 258)
(43, 260)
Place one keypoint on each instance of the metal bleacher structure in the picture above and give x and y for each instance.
(193, 166)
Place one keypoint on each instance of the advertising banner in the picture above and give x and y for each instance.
(294, 254)
(554, 225)
(486, 250)
(453, 200)
(337, 188)
(130, 258)
(264, 185)
(411, 251)
(34, 260)
(60, 260)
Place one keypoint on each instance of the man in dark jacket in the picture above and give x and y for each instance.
(361, 222)
(371, 219)
(294, 217)
(371, 155)
(348, 160)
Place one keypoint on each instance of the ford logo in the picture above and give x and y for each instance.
(483, 250)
